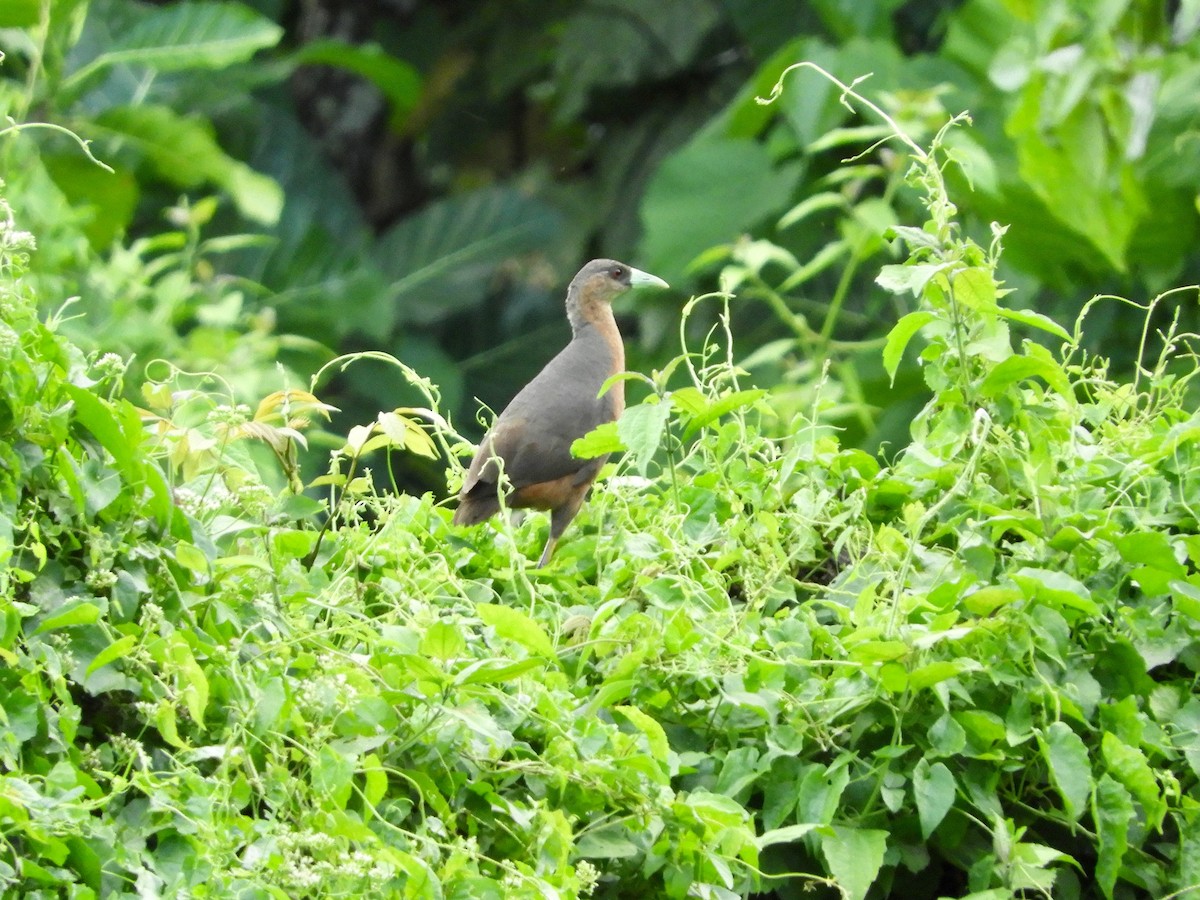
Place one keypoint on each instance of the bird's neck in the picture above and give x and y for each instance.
(600, 326)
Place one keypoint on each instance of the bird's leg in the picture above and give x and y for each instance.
(561, 517)
(551, 540)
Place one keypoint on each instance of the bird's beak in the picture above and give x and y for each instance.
(638, 278)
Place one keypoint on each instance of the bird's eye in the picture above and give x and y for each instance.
(615, 274)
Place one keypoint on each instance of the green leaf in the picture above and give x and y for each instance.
(518, 627)
(1112, 810)
(636, 48)
(332, 776)
(1057, 589)
(656, 738)
(118, 649)
(600, 441)
(190, 677)
(1130, 767)
(78, 613)
(988, 599)
(375, 779)
(739, 772)
(443, 258)
(1070, 769)
(789, 834)
(405, 433)
(109, 198)
(99, 417)
(19, 13)
(165, 721)
(443, 641)
(495, 671)
(193, 35)
(719, 407)
(184, 152)
(396, 79)
(939, 671)
(1150, 548)
(933, 788)
(270, 697)
(878, 651)
(897, 340)
(689, 400)
(1018, 368)
(912, 279)
(855, 856)
(641, 429)
(975, 288)
(809, 205)
(606, 842)
(1035, 320)
(677, 207)
(192, 558)
(1064, 165)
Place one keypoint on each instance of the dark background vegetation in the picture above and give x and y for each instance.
(445, 168)
(765, 661)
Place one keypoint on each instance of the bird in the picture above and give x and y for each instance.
(530, 441)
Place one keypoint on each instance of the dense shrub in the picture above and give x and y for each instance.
(758, 664)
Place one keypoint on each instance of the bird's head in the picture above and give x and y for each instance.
(598, 283)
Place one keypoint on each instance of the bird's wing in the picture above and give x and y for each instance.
(533, 435)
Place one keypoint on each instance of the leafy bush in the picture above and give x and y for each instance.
(760, 663)
(428, 187)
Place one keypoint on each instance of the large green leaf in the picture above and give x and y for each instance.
(1077, 172)
(443, 257)
(199, 35)
(184, 151)
(19, 13)
(692, 203)
(1070, 770)
(318, 260)
(396, 79)
(620, 43)
(855, 856)
(934, 790)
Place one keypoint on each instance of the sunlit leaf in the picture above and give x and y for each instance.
(641, 429)
(517, 626)
(196, 35)
(184, 152)
(855, 856)
(934, 790)
(1112, 810)
(1070, 770)
(897, 340)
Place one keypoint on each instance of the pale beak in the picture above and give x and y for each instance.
(638, 278)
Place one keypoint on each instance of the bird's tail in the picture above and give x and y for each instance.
(473, 510)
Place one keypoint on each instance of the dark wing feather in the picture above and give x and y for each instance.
(533, 435)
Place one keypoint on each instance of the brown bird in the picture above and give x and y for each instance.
(531, 440)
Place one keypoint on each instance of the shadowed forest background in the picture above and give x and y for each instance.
(424, 178)
(893, 590)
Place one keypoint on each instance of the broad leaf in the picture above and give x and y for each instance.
(517, 626)
(677, 208)
(193, 35)
(933, 789)
(1070, 770)
(442, 259)
(855, 856)
(184, 152)
(897, 340)
(641, 429)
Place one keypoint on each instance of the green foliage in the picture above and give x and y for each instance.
(764, 661)
(444, 174)
(758, 664)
